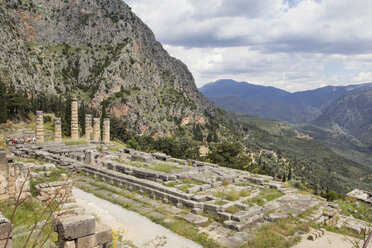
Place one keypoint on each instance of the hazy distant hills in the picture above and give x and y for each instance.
(273, 103)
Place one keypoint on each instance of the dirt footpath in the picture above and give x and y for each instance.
(138, 229)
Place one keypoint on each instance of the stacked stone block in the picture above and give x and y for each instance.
(88, 127)
(106, 130)
(55, 191)
(57, 130)
(96, 130)
(39, 127)
(5, 227)
(74, 120)
(82, 231)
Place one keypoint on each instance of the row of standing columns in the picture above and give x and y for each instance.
(90, 133)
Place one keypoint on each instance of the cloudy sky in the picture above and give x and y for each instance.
(290, 44)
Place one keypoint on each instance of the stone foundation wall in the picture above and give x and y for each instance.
(55, 191)
(12, 177)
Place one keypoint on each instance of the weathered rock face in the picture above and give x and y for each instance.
(97, 49)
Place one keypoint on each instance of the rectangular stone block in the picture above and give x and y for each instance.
(86, 242)
(103, 235)
(68, 244)
(74, 227)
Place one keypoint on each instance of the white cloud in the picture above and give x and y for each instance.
(291, 44)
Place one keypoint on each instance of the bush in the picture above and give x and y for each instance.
(333, 196)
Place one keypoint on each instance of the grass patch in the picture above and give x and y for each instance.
(185, 187)
(231, 195)
(220, 202)
(357, 209)
(26, 215)
(172, 184)
(75, 142)
(191, 181)
(162, 167)
(280, 234)
(268, 194)
(233, 209)
(117, 146)
(30, 160)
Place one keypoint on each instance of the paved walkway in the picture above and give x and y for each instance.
(138, 229)
(328, 240)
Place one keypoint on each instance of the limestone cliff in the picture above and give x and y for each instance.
(98, 49)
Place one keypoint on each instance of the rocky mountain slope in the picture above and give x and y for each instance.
(273, 103)
(98, 49)
(350, 114)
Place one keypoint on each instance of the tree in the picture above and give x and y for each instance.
(103, 114)
(3, 103)
(290, 173)
(82, 117)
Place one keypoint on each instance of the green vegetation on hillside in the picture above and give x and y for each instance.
(315, 165)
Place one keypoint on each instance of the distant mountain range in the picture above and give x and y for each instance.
(274, 103)
(352, 113)
(339, 117)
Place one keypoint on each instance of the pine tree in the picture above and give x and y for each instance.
(210, 137)
(284, 178)
(104, 114)
(3, 103)
(82, 117)
(290, 173)
(66, 117)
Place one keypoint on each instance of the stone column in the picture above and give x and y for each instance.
(74, 120)
(106, 130)
(96, 130)
(57, 129)
(88, 127)
(39, 127)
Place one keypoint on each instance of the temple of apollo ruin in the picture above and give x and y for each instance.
(92, 127)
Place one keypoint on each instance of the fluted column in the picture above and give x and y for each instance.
(106, 130)
(96, 130)
(57, 129)
(74, 120)
(88, 127)
(39, 127)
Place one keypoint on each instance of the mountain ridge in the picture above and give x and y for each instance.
(98, 50)
(297, 107)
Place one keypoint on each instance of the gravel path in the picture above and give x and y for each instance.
(138, 229)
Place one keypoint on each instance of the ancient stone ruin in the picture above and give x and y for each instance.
(82, 231)
(96, 129)
(238, 200)
(88, 127)
(106, 131)
(12, 176)
(361, 195)
(74, 120)
(57, 130)
(91, 134)
(39, 127)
